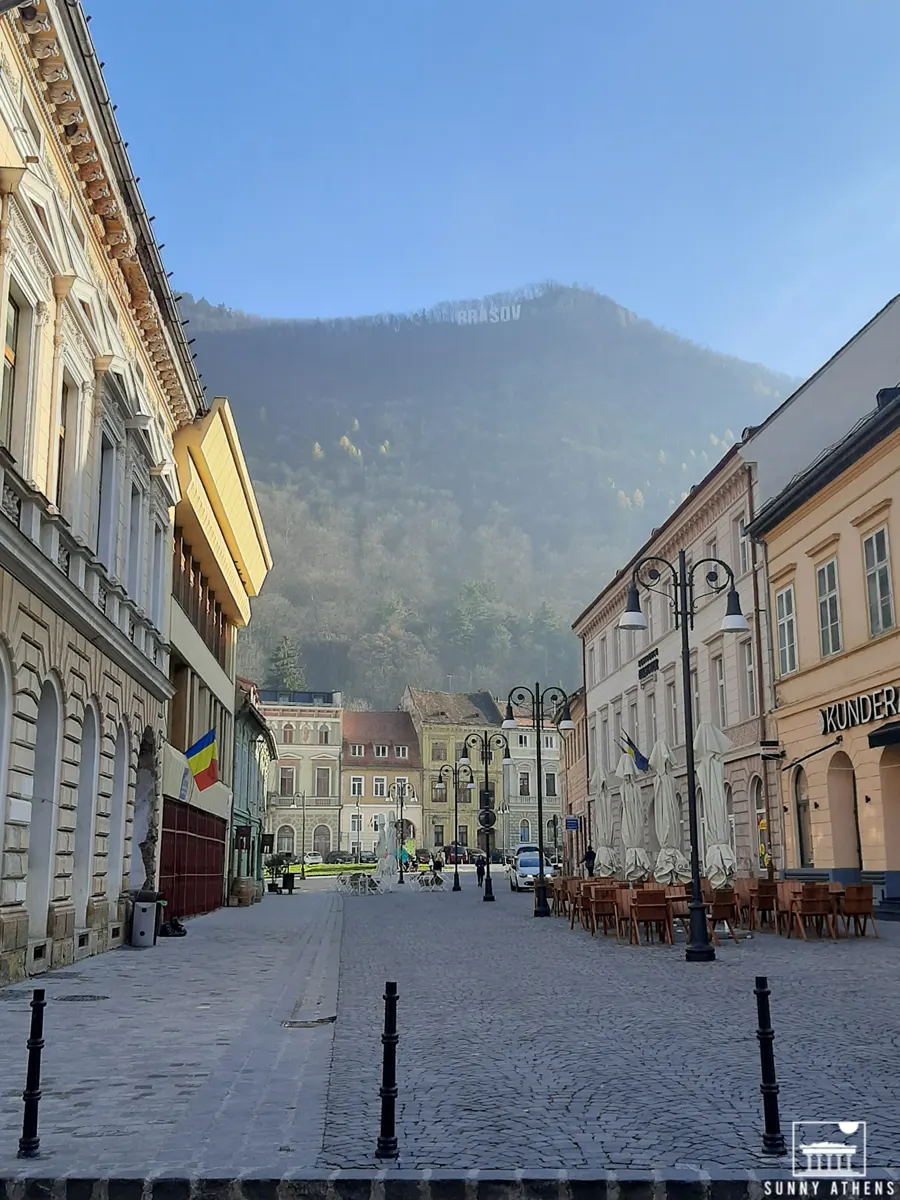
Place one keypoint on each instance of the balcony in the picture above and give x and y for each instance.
(296, 801)
(77, 585)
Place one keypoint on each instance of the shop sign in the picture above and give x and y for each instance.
(861, 710)
(648, 665)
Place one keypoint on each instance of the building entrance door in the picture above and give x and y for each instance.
(192, 860)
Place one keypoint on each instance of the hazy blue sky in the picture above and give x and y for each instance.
(728, 169)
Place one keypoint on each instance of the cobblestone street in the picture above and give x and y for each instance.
(523, 1045)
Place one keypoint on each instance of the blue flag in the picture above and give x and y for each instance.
(629, 747)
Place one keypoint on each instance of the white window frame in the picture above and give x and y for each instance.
(748, 675)
(549, 741)
(604, 658)
(720, 689)
(551, 791)
(380, 749)
(293, 787)
(591, 667)
(357, 750)
(871, 574)
(741, 544)
(379, 787)
(604, 744)
(357, 786)
(786, 629)
(652, 729)
(831, 637)
(523, 741)
(526, 775)
(402, 751)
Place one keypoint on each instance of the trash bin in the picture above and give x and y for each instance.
(143, 924)
(287, 881)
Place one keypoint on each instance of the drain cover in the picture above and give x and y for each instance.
(23, 996)
(75, 999)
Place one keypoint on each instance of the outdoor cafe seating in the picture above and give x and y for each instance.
(647, 912)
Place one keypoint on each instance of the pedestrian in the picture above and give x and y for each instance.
(437, 864)
(479, 870)
(589, 859)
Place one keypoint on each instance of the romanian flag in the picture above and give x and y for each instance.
(204, 761)
(629, 747)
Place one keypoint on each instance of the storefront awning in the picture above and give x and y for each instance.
(887, 735)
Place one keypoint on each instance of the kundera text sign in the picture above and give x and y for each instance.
(868, 706)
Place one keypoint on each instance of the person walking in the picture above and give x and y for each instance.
(588, 861)
(479, 870)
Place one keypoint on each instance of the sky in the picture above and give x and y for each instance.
(729, 170)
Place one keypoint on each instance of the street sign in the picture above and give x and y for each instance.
(487, 799)
(487, 819)
(571, 824)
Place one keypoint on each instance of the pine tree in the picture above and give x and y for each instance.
(285, 669)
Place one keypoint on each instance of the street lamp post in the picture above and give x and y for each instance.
(543, 705)
(397, 792)
(684, 606)
(455, 772)
(485, 742)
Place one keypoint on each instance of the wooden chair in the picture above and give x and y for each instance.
(651, 909)
(764, 903)
(786, 892)
(722, 909)
(602, 908)
(576, 897)
(814, 904)
(858, 906)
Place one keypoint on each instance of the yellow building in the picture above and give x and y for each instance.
(220, 560)
(443, 721)
(381, 759)
(831, 538)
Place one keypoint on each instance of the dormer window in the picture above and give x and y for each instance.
(402, 751)
(381, 751)
(357, 750)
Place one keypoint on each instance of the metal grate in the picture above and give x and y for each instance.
(75, 999)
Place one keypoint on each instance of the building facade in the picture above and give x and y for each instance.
(304, 812)
(830, 537)
(97, 379)
(381, 757)
(254, 752)
(442, 721)
(574, 771)
(633, 681)
(220, 559)
(519, 806)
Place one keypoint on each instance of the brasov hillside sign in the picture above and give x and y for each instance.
(491, 314)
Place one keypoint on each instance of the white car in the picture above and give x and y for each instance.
(524, 870)
(312, 859)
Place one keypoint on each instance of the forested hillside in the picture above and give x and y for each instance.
(444, 491)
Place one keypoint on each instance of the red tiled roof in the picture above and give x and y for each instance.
(389, 729)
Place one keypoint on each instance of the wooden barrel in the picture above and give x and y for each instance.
(243, 889)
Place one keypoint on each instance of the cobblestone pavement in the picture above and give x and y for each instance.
(526, 1045)
(184, 1063)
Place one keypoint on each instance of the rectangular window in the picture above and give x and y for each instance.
(524, 783)
(787, 630)
(523, 740)
(438, 751)
(604, 658)
(462, 835)
(651, 719)
(615, 648)
(878, 582)
(550, 784)
(672, 713)
(464, 794)
(286, 781)
(604, 744)
(357, 785)
(157, 583)
(712, 551)
(31, 122)
(591, 668)
(649, 613)
(65, 414)
(718, 674)
(617, 734)
(9, 368)
(695, 693)
(459, 750)
(592, 741)
(741, 545)
(634, 731)
(438, 794)
(357, 750)
(748, 671)
(549, 741)
(134, 542)
(829, 610)
(670, 604)
(402, 788)
(323, 782)
(356, 823)
(381, 751)
(402, 751)
(438, 835)
(106, 503)
(379, 787)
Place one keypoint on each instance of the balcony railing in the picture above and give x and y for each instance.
(45, 527)
(277, 800)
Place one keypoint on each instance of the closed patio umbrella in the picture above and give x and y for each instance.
(710, 747)
(671, 865)
(607, 861)
(637, 863)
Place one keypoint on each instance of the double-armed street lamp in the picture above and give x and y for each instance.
(461, 775)
(543, 705)
(397, 792)
(485, 743)
(684, 606)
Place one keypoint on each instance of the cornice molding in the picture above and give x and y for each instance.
(821, 549)
(873, 514)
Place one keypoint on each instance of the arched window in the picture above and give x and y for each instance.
(682, 821)
(287, 735)
(804, 824)
(284, 842)
(758, 802)
(41, 868)
(323, 735)
(322, 840)
(85, 815)
(729, 810)
(524, 831)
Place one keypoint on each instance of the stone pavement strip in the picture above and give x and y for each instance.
(524, 1047)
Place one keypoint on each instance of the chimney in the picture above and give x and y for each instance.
(886, 396)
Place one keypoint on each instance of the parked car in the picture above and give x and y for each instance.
(451, 851)
(524, 870)
(312, 859)
(339, 856)
(367, 856)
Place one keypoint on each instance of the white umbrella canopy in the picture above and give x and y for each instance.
(637, 863)
(710, 746)
(671, 865)
(607, 861)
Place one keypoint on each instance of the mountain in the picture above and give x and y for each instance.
(445, 490)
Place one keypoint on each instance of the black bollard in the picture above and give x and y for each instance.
(387, 1139)
(29, 1142)
(773, 1138)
